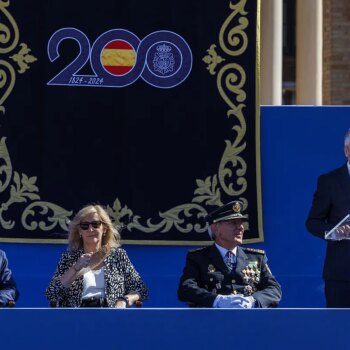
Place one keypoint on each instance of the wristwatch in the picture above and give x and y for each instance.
(126, 299)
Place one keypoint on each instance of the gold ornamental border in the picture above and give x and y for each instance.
(230, 178)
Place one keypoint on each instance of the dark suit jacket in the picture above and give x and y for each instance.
(8, 289)
(206, 275)
(331, 203)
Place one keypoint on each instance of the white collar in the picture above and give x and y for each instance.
(223, 250)
(348, 167)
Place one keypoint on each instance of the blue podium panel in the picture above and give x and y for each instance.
(298, 143)
(174, 329)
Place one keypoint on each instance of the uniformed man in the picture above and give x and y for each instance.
(225, 275)
(8, 289)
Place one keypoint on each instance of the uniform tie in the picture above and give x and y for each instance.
(230, 260)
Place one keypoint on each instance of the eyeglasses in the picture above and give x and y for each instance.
(84, 225)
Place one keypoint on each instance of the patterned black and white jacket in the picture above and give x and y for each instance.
(120, 279)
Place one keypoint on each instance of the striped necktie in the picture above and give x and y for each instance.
(230, 260)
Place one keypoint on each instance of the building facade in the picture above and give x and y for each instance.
(305, 52)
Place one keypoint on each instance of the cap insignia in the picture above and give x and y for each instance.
(236, 207)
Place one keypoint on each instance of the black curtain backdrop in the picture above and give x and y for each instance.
(177, 139)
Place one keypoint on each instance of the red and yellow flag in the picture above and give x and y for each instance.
(118, 57)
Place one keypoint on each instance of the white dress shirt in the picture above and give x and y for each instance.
(223, 250)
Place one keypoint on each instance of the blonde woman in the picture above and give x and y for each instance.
(95, 271)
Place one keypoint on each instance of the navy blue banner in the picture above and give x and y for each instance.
(148, 108)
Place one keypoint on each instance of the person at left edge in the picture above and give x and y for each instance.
(8, 289)
(95, 271)
(224, 275)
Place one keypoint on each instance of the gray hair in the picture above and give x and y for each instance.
(211, 233)
(347, 138)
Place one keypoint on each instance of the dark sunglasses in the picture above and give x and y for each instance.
(84, 225)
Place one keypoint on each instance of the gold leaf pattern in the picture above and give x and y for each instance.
(58, 217)
(213, 59)
(22, 190)
(231, 79)
(23, 58)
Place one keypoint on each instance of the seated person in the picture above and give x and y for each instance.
(95, 271)
(225, 275)
(8, 289)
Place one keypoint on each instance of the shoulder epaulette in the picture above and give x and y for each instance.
(252, 250)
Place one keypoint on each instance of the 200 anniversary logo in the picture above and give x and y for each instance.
(118, 58)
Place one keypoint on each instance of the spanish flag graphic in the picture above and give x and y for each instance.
(118, 57)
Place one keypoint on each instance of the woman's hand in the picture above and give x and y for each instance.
(128, 300)
(75, 270)
(121, 304)
(83, 261)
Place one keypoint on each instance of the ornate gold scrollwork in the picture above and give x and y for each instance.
(233, 83)
(9, 34)
(9, 37)
(231, 79)
(23, 189)
(213, 59)
(236, 37)
(170, 218)
(59, 216)
(23, 58)
(173, 217)
(5, 167)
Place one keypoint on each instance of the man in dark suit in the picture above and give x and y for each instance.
(225, 275)
(8, 289)
(331, 203)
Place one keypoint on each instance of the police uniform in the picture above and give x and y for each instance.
(206, 275)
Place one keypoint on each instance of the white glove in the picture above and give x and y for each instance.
(248, 302)
(234, 302)
(227, 301)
